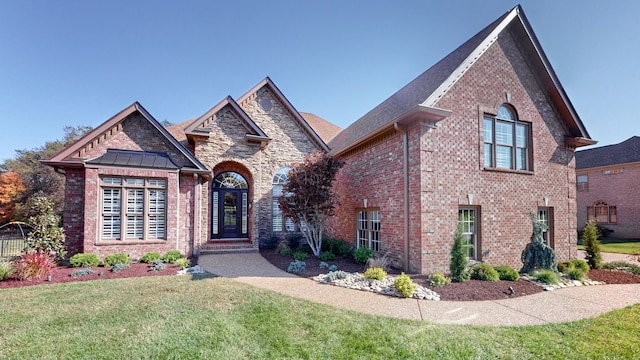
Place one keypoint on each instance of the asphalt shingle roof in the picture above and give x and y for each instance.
(625, 152)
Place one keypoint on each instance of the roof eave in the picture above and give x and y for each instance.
(577, 141)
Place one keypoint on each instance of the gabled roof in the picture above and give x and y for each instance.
(326, 130)
(430, 86)
(71, 155)
(254, 133)
(292, 110)
(625, 152)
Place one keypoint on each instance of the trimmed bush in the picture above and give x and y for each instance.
(119, 258)
(362, 254)
(484, 272)
(592, 245)
(82, 272)
(324, 265)
(6, 270)
(439, 279)
(300, 255)
(333, 268)
(150, 257)
(375, 273)
(459, 261)
(182, 263)
(32, 266)
(576, 274)
(336, 246)
(404, 285)
(117, 267)
(157, 265)
(171, 256)
(84, 260)
(327, 256)
(507, 273)
(270, 243)
(284, 249)
(296, 267)
(294, 240)
(546, 276)
(580, 264)
(336, 275)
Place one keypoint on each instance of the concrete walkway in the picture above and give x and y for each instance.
(557, 306)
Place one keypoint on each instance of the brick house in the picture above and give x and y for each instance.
(134, 186)
(606, 179)
(480, 139)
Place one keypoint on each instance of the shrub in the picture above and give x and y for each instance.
(117, 267)
(284, 249)
(119, 258)
(576, 274)
(47, 236)
(622, 266)
(592, 246)
(579, 264)
(294, 240)
(327, 256)
(484, 272)
(296, 267)
(6, 270)
(333, 267)
(404, 285)
(375, 273)
(438, 279)
(82, 272)
(336, 246)
(84, 260)
(546, 276)
(381, 261)
(336, 275)
(171, 256)
(32, 266)
(507, 273)
(324, 265)
(537, 255)
(300, 255)
(459, 261)
(362, 254)
(182, 263)
(157, 265)
(150, 257)
(271, 243)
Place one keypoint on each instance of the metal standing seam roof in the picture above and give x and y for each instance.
(625, 152)
(133, 158)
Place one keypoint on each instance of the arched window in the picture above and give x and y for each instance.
(230, 180)
(507, 140)
(230, 206)
(602, 213)
(278, 223)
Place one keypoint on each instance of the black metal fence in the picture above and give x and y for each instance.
(12, 238)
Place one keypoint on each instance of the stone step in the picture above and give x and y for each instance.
(228, 247)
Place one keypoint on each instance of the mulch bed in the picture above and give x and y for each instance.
(62, 274)
(472, 290)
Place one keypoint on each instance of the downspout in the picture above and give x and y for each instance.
(178, 213)
(405, 173)
(196, 213)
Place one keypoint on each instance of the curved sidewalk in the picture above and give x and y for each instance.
(557, 306)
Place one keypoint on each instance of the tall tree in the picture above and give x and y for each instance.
(309, 199)
(11, 189)
(39, 179)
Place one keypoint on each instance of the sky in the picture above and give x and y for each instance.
(72, 63)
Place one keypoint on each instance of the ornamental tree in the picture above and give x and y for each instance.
(309, 198)
(592, 245)
(537, 255)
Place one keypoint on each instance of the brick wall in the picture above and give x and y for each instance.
(73, 214)
(446, 167)
(616, 186)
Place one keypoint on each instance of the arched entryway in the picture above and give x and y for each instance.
(230, 206)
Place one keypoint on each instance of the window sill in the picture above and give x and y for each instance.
(129, 242)
(512, 171)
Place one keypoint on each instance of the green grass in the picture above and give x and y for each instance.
(620, 246)
(173, 317)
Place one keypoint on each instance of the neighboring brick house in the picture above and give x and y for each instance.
(480, 139)
(607, 178)
(134, 186)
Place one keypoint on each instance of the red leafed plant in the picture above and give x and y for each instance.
(32, 266)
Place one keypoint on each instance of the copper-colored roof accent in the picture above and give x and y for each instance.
(430, 86)
(625, 152)
(95, 136)
(326, 130)
(134, 158)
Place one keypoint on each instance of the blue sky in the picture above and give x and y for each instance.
(68, 62)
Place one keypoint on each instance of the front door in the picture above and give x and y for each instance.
(230, 206)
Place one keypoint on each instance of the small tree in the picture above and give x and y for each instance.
(459, 261)
(537, 255)
(309, 199)
(592, 245)
(47, 236)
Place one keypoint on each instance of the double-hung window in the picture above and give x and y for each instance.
(507, 141)
(278, 222)
(369, 229)
(467, 222)
(133, 208)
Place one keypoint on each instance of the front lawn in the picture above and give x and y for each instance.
(204, 317)
(620, 246)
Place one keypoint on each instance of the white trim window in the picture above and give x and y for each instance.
(507, 141)
(467, 221)
(369, 229)
(545, 216)
(278, 222)
(140, 205)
